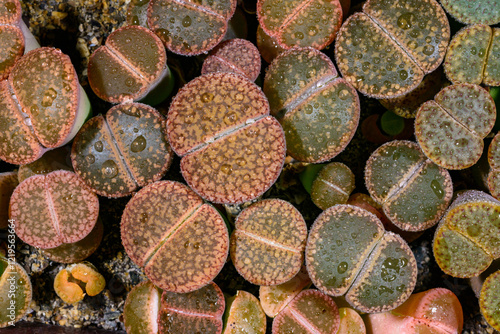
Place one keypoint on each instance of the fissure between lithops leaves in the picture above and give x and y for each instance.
(203, 9)
(411, 175)
(269, 242)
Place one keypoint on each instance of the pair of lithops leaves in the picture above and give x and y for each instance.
(126, 149)
(58, 213)
(385, 50)
(42, 105)
(450, 129)
(413, 191)
(71, 282)
(319, 111)
(467, 238)
(185, 27)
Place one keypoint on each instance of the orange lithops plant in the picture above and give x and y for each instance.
(267, 245)
(181, 243)
(71, 282)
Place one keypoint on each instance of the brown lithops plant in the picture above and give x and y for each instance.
(493, 180)
(244, 315)
(268, 242)
(267, 45)
(59, 158)
(333, 185)
(42, 106)
(129, 66)
(234, 55)
(190, 28)
(311, 312)
(71, 282)
(122, 151)
(232, 150)
(53, 209)
(12, 39)
(8, 182)
(181, 243)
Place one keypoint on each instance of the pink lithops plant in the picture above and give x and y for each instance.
(188, 27)
(488, 300)
(244, 315)
(436, 311)
(181, 243)
(300, 23)
(275, 298)
(12, 39)
(386, 50)
(199, 311)
(467, 238)
(235, 55)
(333, 185)
(474, 56)
(54, 209)
(131, 64)
(71, 282)
(122, 151)
(349, 253)
(268, 242)
(311, 312)
(318, 110)
(8, 182)
(413, 191)
(482, 12)
(450, 129)
(42, 106)
(232, 150)
(493, 180)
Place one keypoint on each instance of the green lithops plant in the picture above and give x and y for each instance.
(42, 106)
(300, 23)
(15, 292)
(481, 12)
(122, 151)
(474, 56)
(349, 253)
(413, 191)
(71, 282)
(436, 311)
(333, 185)
(493, 181)
(137, 13)
(190, 28)
(268, 242)
(386, 50)
(140, 312)
(54, 209)
(275, 298)
(311, 312)
(235, 55)
(181, 243)
(132, 65)
(318, 110)
(199, 311)
(8, 182)
(232, 150)
(12, 39)
(450, 129)
(56, 159)
(488, 300)
(466, 240)
(244, 315)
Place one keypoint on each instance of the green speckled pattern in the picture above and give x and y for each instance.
(141, 307)
(471, 12)
(488, 300)
(13, 274)
(492, 69)
(333, 185)
(244, 315)
(493, 180)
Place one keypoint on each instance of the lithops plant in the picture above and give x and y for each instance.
(235, 55)
(199, 311)
(71, 282)
(268, 242)
(56, 159)
(181, 243)
(42, 106)
(350, 322)
(333, 185)
(140, 312)
(54, 209)
(311, 312)
(467, 238)
(300, 23)
(131, 66)
(12, 39)
(318, 110)
(493, 181)
(190, 28)
(244, 315)
(232, 150)
(488, 300)
(386, 50)
(435, 311)
(481, 12)
(267, 45)
(122, 151)
(474, 56)
(450, 129)
(8, 182)
(137, 13)
(275, 298)
(15, 292)
(349, 253)
(413, 191)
